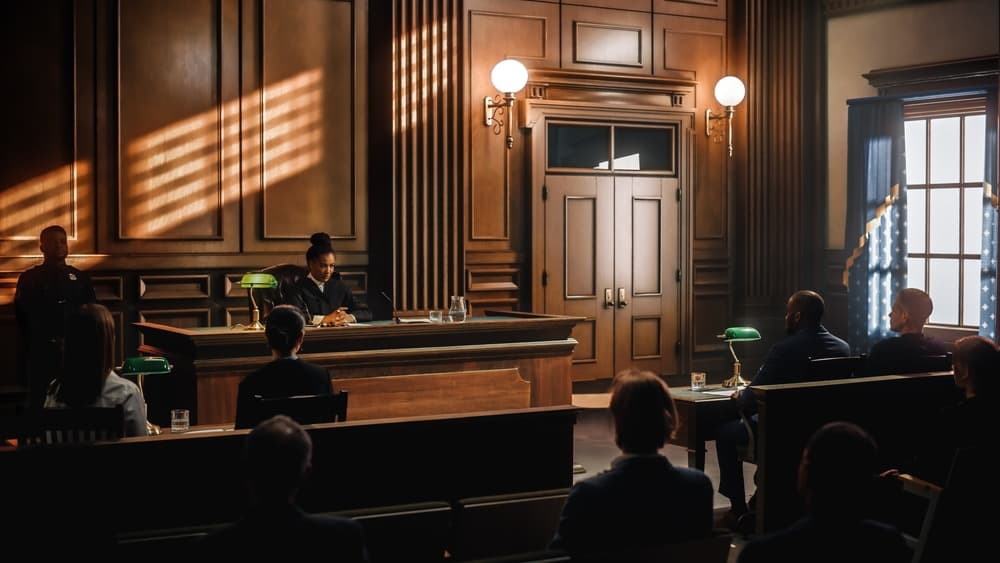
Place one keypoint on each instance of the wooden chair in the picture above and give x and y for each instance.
(713, 549)
(405, 532)
(305, 409)
(825, 369)
(71, 425)
(499, 525)
(915, 511)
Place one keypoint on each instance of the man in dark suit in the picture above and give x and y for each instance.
(836, 477)
(321, 296)
(278, 457)
(642, 500)
(286, 375)
(901, 354)
(786, 362)
(45, 295)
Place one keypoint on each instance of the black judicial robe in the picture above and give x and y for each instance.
(311, 301)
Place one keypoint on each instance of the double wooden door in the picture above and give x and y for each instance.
(612, 257)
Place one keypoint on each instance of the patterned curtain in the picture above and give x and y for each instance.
(876, 227)
(988, 295)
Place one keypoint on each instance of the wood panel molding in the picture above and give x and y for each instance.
(606, 40)
(109, 288)
(153, 287)
(699, 8)
(493, 279)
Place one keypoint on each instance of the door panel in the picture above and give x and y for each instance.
(579, 243)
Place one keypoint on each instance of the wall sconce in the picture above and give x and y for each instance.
(729, 91)
(509, 76)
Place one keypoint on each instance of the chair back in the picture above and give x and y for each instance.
(71, 425)
(924, 364)
(824, 369)
(305, 409)
(287, 275)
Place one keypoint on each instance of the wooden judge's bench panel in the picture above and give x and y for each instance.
(501, 360)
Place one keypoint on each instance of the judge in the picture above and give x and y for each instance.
(321, 296)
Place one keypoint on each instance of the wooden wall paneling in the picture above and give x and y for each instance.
(9, 334)
(606, 40)
(237, 315)
(712, 299)
(109, 288)
(635, 5)
(47, 162)
(175, 186)
(699, 8)
(154, 287)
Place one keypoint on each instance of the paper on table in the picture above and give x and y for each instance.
(722, 392)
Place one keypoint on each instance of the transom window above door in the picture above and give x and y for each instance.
(577, 147)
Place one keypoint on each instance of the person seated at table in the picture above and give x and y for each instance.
(901, 354)
(287, 375)
(837, 475)
(278, 458)
(87, 378)
(322, 296)
(786, 362)
(643, 500)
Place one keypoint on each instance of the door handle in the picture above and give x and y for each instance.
(609, 299)
(622, 302)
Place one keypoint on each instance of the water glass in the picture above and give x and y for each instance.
(697, 380)
(436, 315)
(180, 420)
(458, 309)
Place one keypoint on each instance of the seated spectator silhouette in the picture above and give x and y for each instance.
(786, 362)
(969, 422)
(643, 500)
(286, 375)
(87, 378)
(278, 457)
(902, 354)
(836, 475)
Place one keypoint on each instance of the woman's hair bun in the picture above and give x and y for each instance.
(320, 239)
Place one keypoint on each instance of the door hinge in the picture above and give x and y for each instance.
(678, 274)
(545, 192)
(545, 278)
(678, 194)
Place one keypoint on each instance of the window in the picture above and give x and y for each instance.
(634, 148)
(945, 146)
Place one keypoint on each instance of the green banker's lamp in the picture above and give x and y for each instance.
(256, 280)
(139, 367)
(738, 334)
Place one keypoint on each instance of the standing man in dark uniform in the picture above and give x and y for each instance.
(45, 295)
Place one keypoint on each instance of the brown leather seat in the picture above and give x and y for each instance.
(287, 275)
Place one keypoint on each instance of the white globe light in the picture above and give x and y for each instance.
(730, 91)
(509, 76)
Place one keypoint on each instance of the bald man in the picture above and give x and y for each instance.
(786, 362)
(900, 354)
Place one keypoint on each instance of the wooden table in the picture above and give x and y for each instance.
(700, 415)
(500, 360)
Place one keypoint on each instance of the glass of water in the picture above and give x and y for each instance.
(457, 309)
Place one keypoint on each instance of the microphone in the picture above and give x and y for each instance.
(392, 304)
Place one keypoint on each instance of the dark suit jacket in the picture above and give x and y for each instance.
(285, 377)
(818, 541)
(311, 301)
(640, 501)
(898, 354)
(788, 360)
(286, 533)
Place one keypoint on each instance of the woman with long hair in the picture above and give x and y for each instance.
(87, 377)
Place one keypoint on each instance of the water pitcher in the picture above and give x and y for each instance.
(457, 309)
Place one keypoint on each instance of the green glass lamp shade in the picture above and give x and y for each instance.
(145, 365)
(257, 280)
(740, 334)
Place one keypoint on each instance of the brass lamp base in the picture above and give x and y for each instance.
(152, 429)
(735, 381)
(255, 323)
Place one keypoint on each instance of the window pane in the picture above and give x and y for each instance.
(579, 146)
(970, 293)
(944, 290)
(945, 149)
(973, 220)
(915, 273)
(916, 221)
(975, 147)
(944, 220)
(916, 152)
(644, 148)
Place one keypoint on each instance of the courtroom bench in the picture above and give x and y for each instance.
(195, 479)
(895, 409)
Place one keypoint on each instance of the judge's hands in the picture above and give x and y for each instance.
(340, 317)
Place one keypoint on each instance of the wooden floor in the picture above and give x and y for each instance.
(594, 448)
